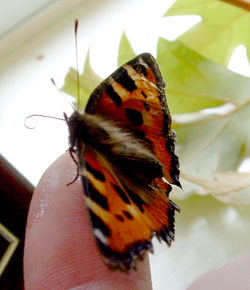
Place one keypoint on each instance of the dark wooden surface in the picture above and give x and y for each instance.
(15, 196)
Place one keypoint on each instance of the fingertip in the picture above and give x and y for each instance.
(60, 251)
(58, 230)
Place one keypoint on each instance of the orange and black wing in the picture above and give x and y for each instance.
(123, 224)
(134, 97)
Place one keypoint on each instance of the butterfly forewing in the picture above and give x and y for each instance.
(134, 96)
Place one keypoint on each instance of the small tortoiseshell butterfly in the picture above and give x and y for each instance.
(125, 148)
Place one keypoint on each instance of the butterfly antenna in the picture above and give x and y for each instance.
(77, 69)
(36, 115)
(53, 82)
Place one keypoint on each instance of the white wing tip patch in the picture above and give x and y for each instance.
(100, 236)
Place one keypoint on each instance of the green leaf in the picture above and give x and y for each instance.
(88, 80)
(195, 83)
(222, 29)
(126, 52)
(211, 148)
(211, 145)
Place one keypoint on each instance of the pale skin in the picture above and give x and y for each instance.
(60, 252)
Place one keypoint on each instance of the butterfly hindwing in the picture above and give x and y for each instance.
(123, 224)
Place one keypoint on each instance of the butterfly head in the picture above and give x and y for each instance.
(73, 123)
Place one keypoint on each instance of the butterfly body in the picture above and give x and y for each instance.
(126, 158)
